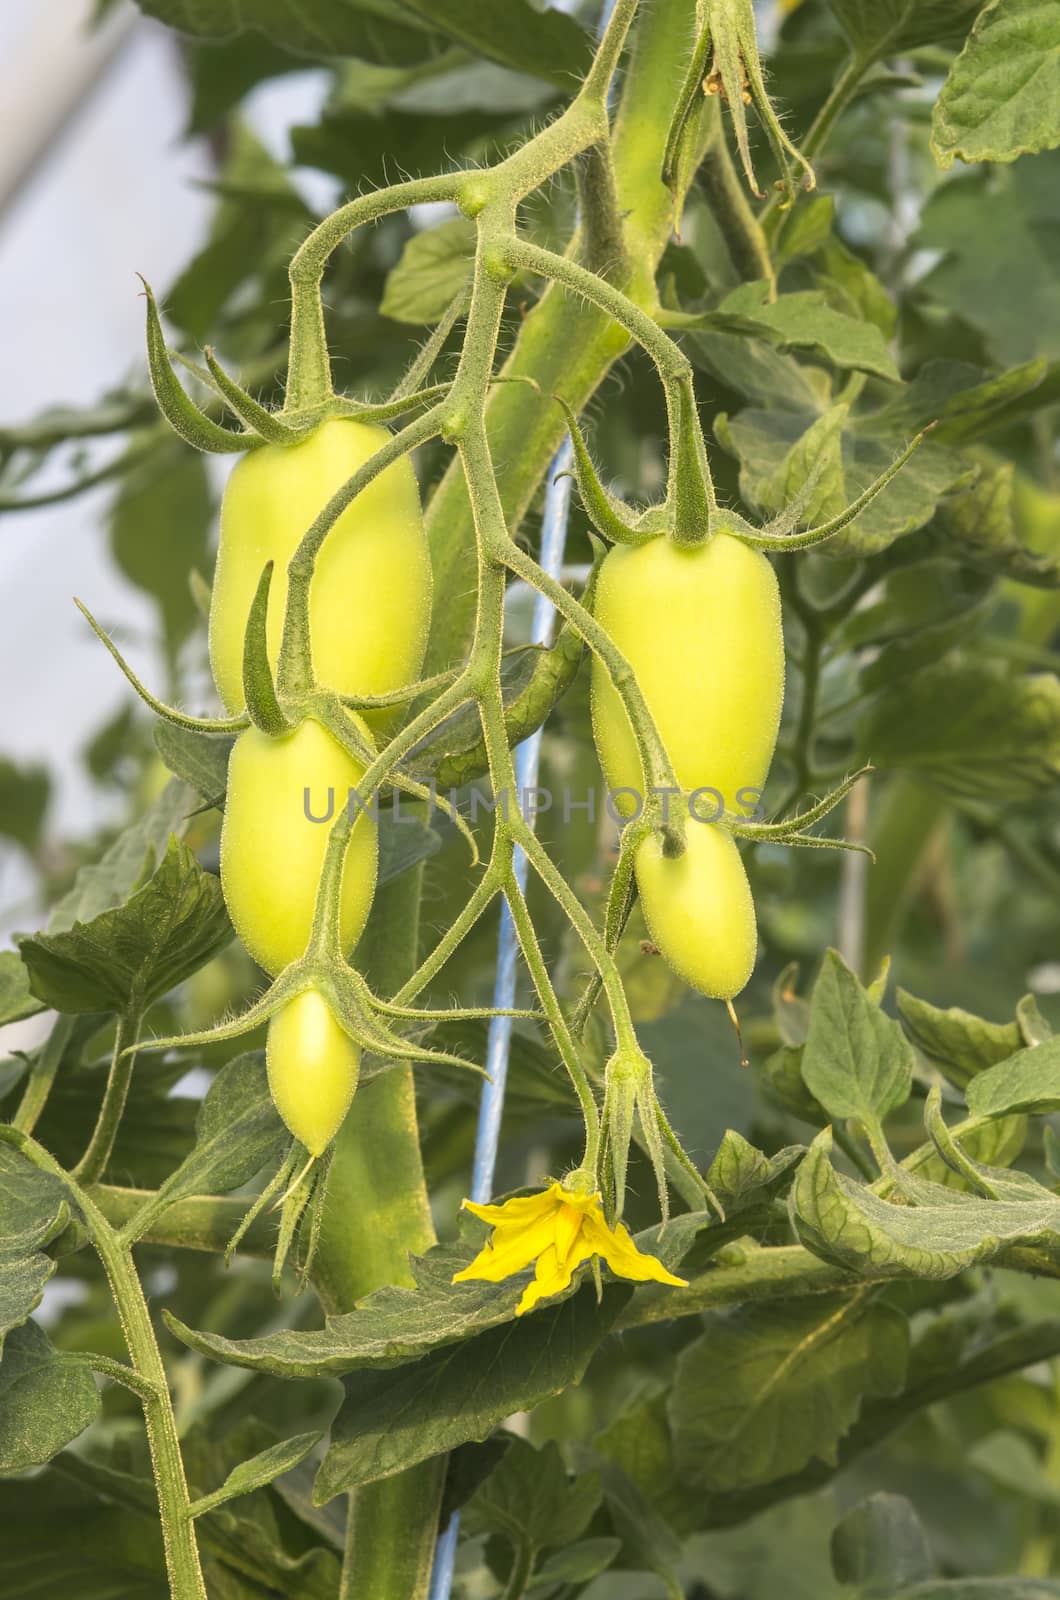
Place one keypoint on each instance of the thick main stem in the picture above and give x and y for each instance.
(376, 1215)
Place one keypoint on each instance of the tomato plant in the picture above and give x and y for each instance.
(639, 521)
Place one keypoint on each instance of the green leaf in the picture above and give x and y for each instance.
(1001, 98)
(33, 1211)
(62, 1537)
(758, 371)
(885, 27)
(379, 31)
(880, 1547)
(805, 320)
(577, 1565)
(766, 1389)
(964, 401)
(16, 1001)
(433, 268)
(545, 43)
(395, 1326)
(237, 1132)
(980, 529)
(1020, 206)
(258, 1471)
(390, 1420)
(740, 1175)
(129, 956)
(1028, 1081)
(957, 1042)
(46, 1399)
(974, 728)
(529, 1499)
(24, 796)
(856, 1061)
(199, 759)
(160, 529)
(776, 457)
(942, 1233)
(126, 863)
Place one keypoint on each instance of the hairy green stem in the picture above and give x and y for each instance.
(93, 1163)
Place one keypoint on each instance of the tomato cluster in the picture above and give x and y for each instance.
(369, 608)
(701, 627)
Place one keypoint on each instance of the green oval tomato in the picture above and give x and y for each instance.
(701, 629)
(272, 853)
(369, 605)
(699, 909)
(313, 1066)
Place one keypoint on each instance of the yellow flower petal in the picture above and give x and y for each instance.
(567, 1228)
(509, 1250)
(551, 1276)
(622, 1256)
(518, 1208)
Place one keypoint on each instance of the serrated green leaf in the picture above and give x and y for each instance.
(1028, 1081)
(767, 1389)
(46, 1399)
(33, 1211)
(974, 728)
(856, 1061)
(1001, 98)
(805, 320)
(771, 450)
(258, 1470)
(434, 267)
(939, 1235)
(390, 1420)
(129, 956)
(957, 1042)
(529, 1499)
(396, 1326)
(740, 1175)
(577, 1565)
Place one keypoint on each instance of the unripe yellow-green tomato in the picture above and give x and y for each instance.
(699, 910)
(370, 601)
(272, 852)
(313, 1066)
(701, 628)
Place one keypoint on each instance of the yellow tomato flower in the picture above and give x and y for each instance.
(555, 1232)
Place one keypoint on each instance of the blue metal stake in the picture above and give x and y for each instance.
(527, 760)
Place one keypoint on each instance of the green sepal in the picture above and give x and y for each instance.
(279, 1179)
(768, 538)
(252, 415)
(183, 415)
(691, 91)
(783, 832)
(263, 706)
(737, 72)
(179, 719)
(604, 510)
(690, 496)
